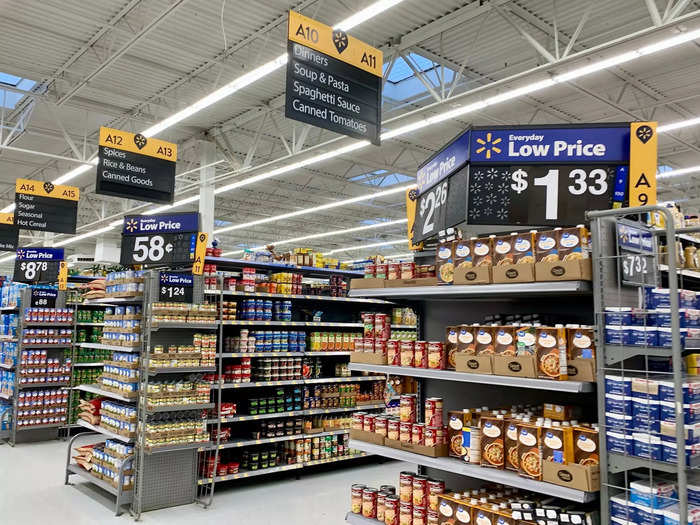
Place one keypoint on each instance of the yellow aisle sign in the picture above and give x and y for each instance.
(63, 275)
(334, 43)
(200, 252)
(411, 200)
(137, 143)
(47, 189)
(7, 218)
(643, 156)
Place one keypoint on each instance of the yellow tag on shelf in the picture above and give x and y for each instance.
(411, 200)
(63, 275)
(199, 253)
(643, 159)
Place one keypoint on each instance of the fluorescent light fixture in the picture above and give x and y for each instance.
(363, 246)
(676, 173)
(87, 235)
(368, 12)
(314, 209)
(678, 125)
(75, 172)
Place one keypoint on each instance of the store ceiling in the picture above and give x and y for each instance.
(132, 63)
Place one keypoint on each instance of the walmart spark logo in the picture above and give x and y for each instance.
(488, 145)
(131, 225)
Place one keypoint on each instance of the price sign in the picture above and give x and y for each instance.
(636, 246)
(175, 287)
(442, 206)
(37, 265)
(164, 240)
(43, 298)
(538, 194)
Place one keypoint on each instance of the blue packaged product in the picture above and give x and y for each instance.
(665, 337)
(691, 391)
(618, 421)
(615, 335)
(693, 491)
(645, 388)
(668, 432)
(620, 443)
(641, 335)
(301, 338)
(292, 337)
(669, 451)
(646, 446)
(618, 404)
(655, 494)
(645, 414)
(644, 515)
(672, 515)
(618, 385)
(691, 412)
(623, 316)
(619, 508)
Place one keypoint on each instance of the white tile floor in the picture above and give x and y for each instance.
(32, 493)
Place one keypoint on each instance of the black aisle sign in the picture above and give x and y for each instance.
(442, 206)
(44, 298)
(176, 287)
(9, 233)
(334, 81)
(45, 207)
(165, 240)
(636, 261)
(539, 194)
(135, 167)
(37, 265)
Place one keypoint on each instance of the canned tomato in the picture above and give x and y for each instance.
(406, 486)
(406, 353)
(432, 518)
(356, 498)
(358, 420)
(382, 327)
(380, 271)
(436, 355)
(417, 433)
(391, 510)
(405, 432)
(433, 411)
(435, 488)
(380, 346)
(370, 270)
(380, 425)
(394, 271)
(392, 429)
(368, 344)
(369, 502)
(393, 353)
(407, 408)
(430, 436)
(419, 515)
(368, 423)
(405, 513)
(420, 491)
(420, 354)
(368, 324)
(408, 270)
(381, 503)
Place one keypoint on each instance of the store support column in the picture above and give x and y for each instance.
(206, 186)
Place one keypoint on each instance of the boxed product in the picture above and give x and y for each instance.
(444, 263)
(492, 444)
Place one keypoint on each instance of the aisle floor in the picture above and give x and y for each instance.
(32, 493)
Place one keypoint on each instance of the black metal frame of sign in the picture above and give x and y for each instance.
(44, 298)
(37, 265)
(175, 287)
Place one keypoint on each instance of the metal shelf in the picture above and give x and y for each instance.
(681, 271)
(404, 327)
(47, 323)
(359, 519)
(262, 354)
(38, 427)
(8, 308)
(107, 301)
(322, 354)
(180, 370)
(113, 348)
(158, 325)
(256, 384)
(350, 379)
(176, 408)
(106, 432)
(5, 395)
(223, 263)
(41, 385)
(88, 365)
(47, 346)
(7, 366)
(456, 466)
(174, 448)
(482, 291)
(621, 463)
(249, 442)
(127, 495)
(319, 324)
(82, 323)
(297, 297)
(105, 393)
(465, 377)
(293, 413)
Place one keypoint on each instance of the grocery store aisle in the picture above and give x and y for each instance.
(35, 494)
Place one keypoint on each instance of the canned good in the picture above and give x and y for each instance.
(368, 324)
(380, 346)
(435, 488)
(391, 510)
(436, 355)
(382, 326)
(406, 513)
(369, 502)
(381, 502)
(393, 352)
(432, 517)
(420, 491)
(405, 432)
(419, 515)
(380, 425)
(358, 420)
(356, 498)
(407, 408)
(368, 423)
(393, 271)
(392, 429)
(368, 344)
(433, 411)
(420, 354)
(407, 350)
(406, 486)
(430, 436)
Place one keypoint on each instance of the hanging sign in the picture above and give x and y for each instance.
(636, 261)
(334, 81)
(9, 233)
(42, 206)
(176, 287)
(37, 265)
(643, 159)
(133, 166)
(159, 239)
(43, 298)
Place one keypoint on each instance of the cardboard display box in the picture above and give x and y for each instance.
(581, 369)
(578, 270)
(370, 282)
(405, 283)
(367, 437)
(439, 451)
(572, 475)
(368, 358)
(476, 275)
(515, 366)
(514, 273)
(474, 364)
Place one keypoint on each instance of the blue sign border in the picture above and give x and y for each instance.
(179, 279)
(40, 254)
(450, 159)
